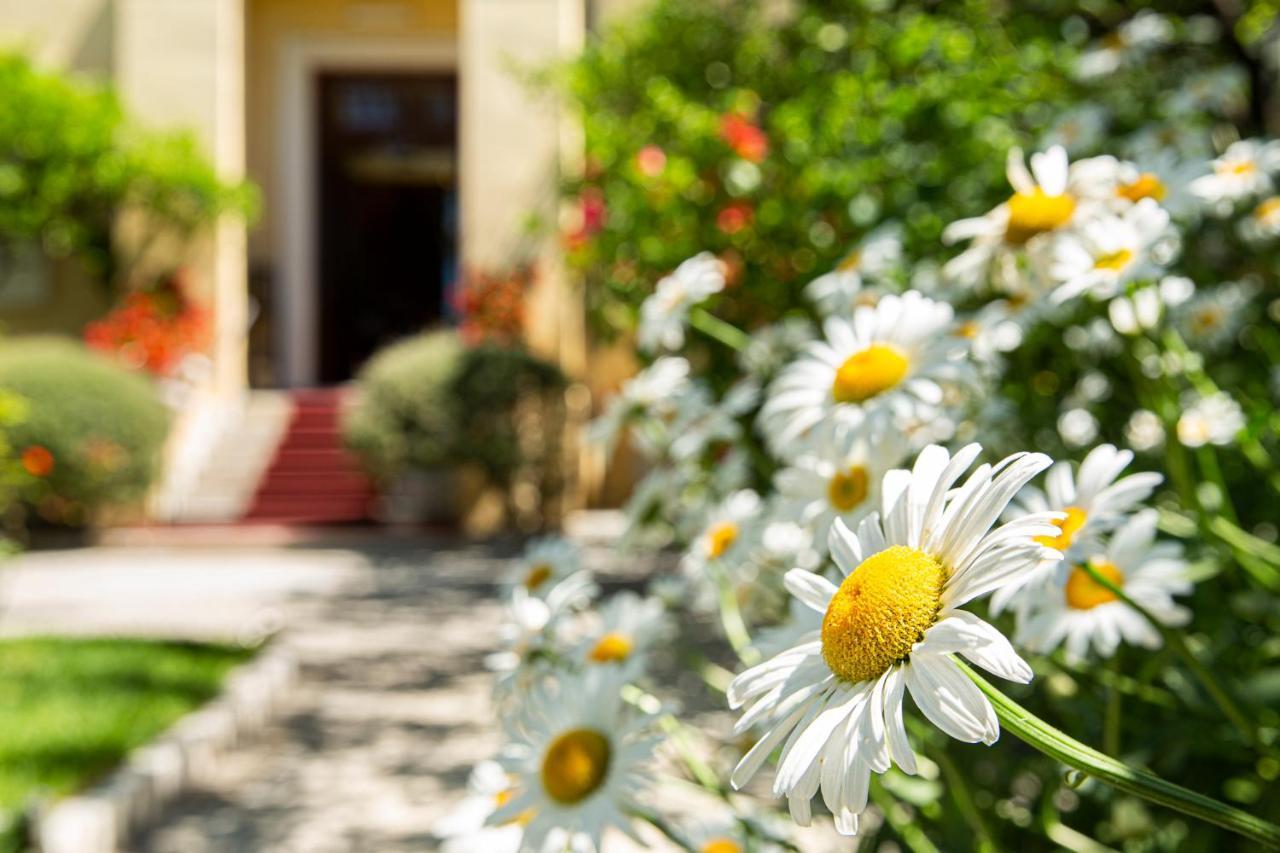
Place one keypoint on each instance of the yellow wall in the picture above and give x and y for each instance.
(270, 25)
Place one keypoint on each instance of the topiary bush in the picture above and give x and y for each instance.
(403, 419)
(92, 432)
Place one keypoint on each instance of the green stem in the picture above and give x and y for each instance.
(735, 629)
(713, 327)
(659, 823)
(1175, 641)
(1040, 735)
(1111, 720)
(958, 788)
(911, 834)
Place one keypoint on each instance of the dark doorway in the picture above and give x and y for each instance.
(387, 210)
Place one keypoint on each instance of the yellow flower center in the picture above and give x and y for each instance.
(1146, 185)
(1085, 593)
(575, 765)
(1239, 167)
(503, 797)
(720, 538)
(1206, 319)
(1070, 526)
(848, 488)
(869, 372)
(613, 647)
(881, 610)
(850, 262)
(537, 576)
(1268, 210)
(721, 845)
(1035, 213)
(967, 330)
(1114, 261)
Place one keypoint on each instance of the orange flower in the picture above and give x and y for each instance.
(37, 461)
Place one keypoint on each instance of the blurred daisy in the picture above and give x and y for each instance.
(1215, 419)
(728, 534)
(723, 835)
(465, 829)
(1108, 251)
(1136, 313)
(1079, 130)
(1129, 43)
(1212, 318)
(1144, 431)
(545, 562)
(1263, 222)
(626, 627)
(1095, 501)
(1042, 203)
(664, 314)
(833, 702)
(535, 633)
(651, 392)
(1242, 172)
(700, 423)
(839, 478)
(1222, 91)
(879, 367)
(840, 291)
(578, 756)
(1077, 611)
(771, 347)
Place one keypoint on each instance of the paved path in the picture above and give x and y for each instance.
(391, 708)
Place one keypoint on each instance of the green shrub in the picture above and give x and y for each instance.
(71, 160)
(403, 419)
(510, 400)
(102, 425)
(429, 402)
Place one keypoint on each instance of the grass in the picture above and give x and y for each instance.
(71, 709)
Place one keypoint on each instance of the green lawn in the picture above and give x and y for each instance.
(71, 709)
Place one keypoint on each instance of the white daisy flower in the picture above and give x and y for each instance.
(664, 314)
(1144, 431)
(1079, 130)
(1215, 419)
(839, 477)
(1242, 172)
(881, 367)
(1181, 140)
(1127, 44)
(1262, 225)
(728, 535)
(700, 423)
(465, 829)
(1108, 251)
(650, 392)
(1136, 313)
(1222, 91)
(833, 702)
(624, 630)
(579, 757)
(535, 633)
(1077, 610)
(842, 290)
(545, 562)
(724, 835)
(1212, 318)
(1161, 176)
(1043, 202)
(771, 347)
(1092, 503)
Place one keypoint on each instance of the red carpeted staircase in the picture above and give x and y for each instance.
(312, 479)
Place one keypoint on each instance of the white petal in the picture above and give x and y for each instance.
(810, 588)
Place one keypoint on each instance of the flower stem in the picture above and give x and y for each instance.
(1111, 721)
(911, 834)
(713, 327)
(735, 630)
(1058, 746)
(1175, 641)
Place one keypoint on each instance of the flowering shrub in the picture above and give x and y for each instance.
(491, 305)
(153, 329)
(857, 511)
(91, 434)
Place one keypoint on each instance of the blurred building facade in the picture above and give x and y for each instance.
(394, 142)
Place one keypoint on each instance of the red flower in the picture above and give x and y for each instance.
(152, 329)
(37, 461)
(651, 160)
(735, 216)
(746, 139)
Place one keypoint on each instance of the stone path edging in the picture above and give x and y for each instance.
(101, 819)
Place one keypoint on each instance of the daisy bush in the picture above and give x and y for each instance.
(962, 504)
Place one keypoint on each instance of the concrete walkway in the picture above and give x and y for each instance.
(391, 709)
